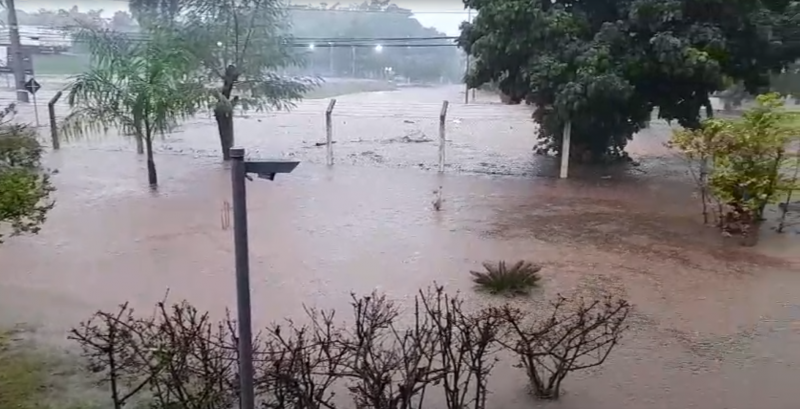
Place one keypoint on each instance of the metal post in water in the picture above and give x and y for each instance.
(240, 240)
(442, 137)
(329, 132)
(565, 145)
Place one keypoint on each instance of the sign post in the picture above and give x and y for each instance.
(32, 86)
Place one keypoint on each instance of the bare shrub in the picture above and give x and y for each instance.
(112, 345)
(302, 363)
(466, 346)
(389, 367)
(499, 278)
(576, 336)
(194, 359)
(178, 357)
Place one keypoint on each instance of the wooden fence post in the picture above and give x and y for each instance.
(442, 133)
(565, 144)
(51, 109)
(329, 131)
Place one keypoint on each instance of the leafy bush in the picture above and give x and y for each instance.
(25, 186)
(498, 278)
(180, 358)
(741, 163)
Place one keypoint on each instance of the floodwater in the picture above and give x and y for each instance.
(715, 325)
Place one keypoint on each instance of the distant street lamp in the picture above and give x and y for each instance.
(311, 47)
(378, 48)
(239, 170)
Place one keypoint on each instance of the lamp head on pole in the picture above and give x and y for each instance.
(268, 169)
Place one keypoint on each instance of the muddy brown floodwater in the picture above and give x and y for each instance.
(715, 326)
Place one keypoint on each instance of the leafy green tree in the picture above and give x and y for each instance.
(123, 21)
(141, 88)
(25, 187)
(748, 157)
(606, 65)
(237, 47)
(60, 18)
(156, 11)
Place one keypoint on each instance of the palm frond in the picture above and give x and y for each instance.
(97, 100)
(144, 88)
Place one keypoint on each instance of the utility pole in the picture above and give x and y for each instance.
(16, 50)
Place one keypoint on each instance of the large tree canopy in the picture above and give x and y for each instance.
(605, 65)
(238, 46)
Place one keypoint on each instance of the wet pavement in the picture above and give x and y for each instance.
(716, 326)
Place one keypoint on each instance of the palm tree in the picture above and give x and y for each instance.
(140, 87)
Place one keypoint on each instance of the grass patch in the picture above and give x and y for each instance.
(793, 119)
(499, 278)
(36, 378)
(60, 64)
(23, 376)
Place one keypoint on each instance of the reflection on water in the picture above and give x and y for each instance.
(714, 328)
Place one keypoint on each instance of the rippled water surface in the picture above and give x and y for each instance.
(715, 327)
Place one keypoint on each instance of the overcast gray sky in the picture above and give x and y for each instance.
(445, 15)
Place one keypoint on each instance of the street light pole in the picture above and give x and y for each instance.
(242, 251)
(239, 170)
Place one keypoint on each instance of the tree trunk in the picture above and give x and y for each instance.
(225, 128)
(139, 143)
(224, 114)
(152, 176)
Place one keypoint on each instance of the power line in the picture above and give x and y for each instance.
(341, 45)
(145, 36)
(307, 42)
(384, 39)
(399, 10)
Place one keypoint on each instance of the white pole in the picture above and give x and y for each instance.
(442, 134)
(565, 149)
(329, 132)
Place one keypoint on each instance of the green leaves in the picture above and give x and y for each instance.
(144, 88)
(515, 279)
(25, 187)
(136, 86)
(576, 59)
(747, 156)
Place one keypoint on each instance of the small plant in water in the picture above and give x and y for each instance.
(499, 278)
